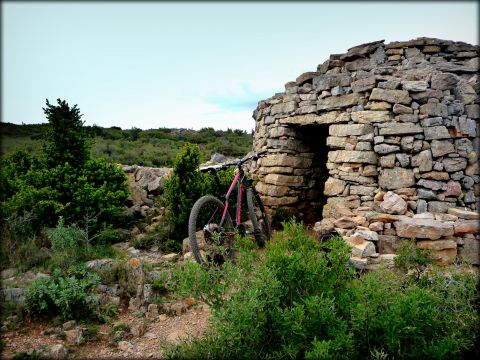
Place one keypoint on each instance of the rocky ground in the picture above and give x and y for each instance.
(148, 340)
(144, 328)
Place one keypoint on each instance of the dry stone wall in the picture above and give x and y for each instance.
(383, 139)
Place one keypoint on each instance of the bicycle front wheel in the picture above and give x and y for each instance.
(259, 218)
(211, 241)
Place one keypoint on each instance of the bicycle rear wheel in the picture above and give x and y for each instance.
(211, 241)
(259, 218)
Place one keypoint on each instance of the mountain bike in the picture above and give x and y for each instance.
(211, 229)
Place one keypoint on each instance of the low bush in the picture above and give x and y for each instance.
(280, 216)
(68, 295)
(295, 300)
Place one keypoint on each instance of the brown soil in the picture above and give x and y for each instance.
(160, 332)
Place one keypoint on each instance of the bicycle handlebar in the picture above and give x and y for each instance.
(239, 163)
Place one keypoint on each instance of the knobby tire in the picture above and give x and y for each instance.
(259, 218)
(194, 222)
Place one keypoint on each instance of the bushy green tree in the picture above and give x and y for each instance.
(183, 188)
(65, 181)
(66, 140)
(187, 184)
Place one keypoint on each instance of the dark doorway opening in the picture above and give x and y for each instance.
(314, 141)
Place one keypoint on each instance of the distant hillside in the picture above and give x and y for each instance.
(154, 147)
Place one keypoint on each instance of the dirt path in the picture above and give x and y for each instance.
(147, 343)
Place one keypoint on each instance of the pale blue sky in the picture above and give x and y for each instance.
(187, 64)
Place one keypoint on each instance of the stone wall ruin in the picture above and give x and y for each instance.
(380, 141)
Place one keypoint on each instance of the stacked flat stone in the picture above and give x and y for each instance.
(403, 137)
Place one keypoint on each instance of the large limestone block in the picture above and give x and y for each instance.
(472, 111)
(465, 93)
(391, 96)
(338, 210)
(369, 116)
(384, 149)
(345, 223)
(435, 175)
(362, 190)
(361, 51)
(470, 251)
(414, 86)
(464, 127)
(363, 249)
(444, 81)
(336, 142)
(464, 214)
(393, 204)
(463, 227)
(272, 190)
(309, 119)
(401, 129)
(436, 132)
(437, 244)
(366, 234)
(454, 164)
(364, 84)
(152, 179)
(385, 218)
(350, 129)
(338, 102)
(396, 178)
(328, 81)
(423, 228)
(423, 160)
(279, 201)
(441, 147)
(285, 180)
(286, 160)
(434, 109)
(284, 108)
(454, 68)
(306, 77)
(334, 186)
(444, 251)
(439, 206)
(351, 156)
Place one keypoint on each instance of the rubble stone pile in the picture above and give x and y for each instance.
(380, 144)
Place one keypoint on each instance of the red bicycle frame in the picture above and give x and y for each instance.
(236, 179)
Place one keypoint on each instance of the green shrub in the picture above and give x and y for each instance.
(65, 181)
(431, 318)
(69, 245)
(187, 185)
(69, 295)
(90, 196)
(410, 257)
(296, 299)
(110, 236)
(280, 216)
(183, 188)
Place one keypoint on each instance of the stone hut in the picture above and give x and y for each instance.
(382, 140)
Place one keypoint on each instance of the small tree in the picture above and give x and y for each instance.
(184, 188)
(66, 139)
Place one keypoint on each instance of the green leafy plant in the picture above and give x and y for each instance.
(411, 258)
(69, 295)
(299, 298)
(280, 216)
